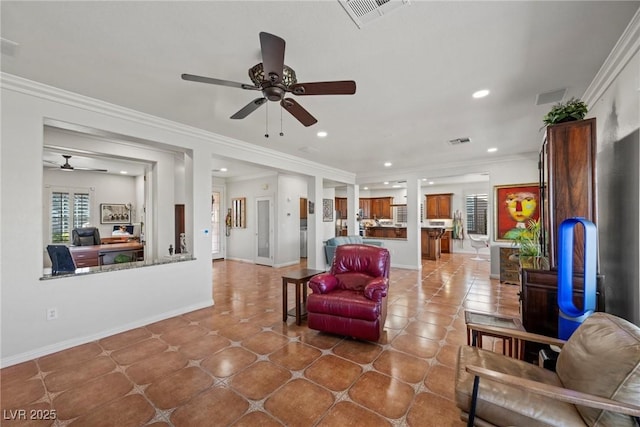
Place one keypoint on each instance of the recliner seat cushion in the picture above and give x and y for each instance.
(504, 405)
(603, 358)
(344, 303)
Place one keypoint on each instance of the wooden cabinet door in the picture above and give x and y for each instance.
(444, 206)
(438, 206)
(445, 243)
(365, 206)
(341, 207)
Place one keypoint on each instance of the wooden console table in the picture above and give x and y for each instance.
(300, 279)
(93, 256)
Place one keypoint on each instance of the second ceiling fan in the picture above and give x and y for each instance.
(275, 79)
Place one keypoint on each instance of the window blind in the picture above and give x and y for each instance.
(476, 206)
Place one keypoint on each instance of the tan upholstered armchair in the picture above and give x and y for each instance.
(596, 383)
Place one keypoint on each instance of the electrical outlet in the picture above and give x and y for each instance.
(52, 313)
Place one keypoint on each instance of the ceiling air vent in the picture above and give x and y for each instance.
(549, 97)
(459, 141)
(365, 11)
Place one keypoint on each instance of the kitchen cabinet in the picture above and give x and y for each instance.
(381, 207)
(303, 208)
(445, 242)
(438, 206)
(387, 232)
(365, 207)
(430, 243)
(341, 207)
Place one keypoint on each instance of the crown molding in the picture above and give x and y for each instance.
(626, 47)
(234, 148)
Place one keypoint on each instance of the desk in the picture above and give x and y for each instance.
(300, 279)
(93, 256)
(474, 337)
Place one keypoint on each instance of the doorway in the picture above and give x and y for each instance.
(264, 231)
(217, 251)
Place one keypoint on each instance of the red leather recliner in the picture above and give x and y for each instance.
(351, 299)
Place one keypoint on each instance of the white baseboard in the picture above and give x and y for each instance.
(63, 345)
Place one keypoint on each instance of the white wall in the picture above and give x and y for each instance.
(95, 305)
(614, 100)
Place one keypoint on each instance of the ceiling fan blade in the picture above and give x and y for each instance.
(51, 163)
(210, 80)
(90, 169)
(249, 108)
(343, 87)
(272, 56)
(298, 112)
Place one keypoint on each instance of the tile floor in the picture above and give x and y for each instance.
(239, 364)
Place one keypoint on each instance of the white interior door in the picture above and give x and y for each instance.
(264, 231)
(217, 224)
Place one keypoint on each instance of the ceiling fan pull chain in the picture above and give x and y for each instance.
(281, 133)
(266, 123)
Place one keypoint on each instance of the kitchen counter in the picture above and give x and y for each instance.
(386, 232)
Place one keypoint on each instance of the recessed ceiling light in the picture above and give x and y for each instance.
(396, 186)
(492, 150)
(124, 172)
(223, 169)
(322, 134)
(387, 164)
(386, 183)
(481, 93)
(424, 179)
(365, 188)
(431, 182)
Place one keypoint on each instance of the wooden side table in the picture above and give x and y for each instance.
(299, 278)
(474, 337)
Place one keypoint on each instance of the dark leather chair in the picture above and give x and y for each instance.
(351, 299)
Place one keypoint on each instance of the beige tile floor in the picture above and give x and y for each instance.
(239, 364)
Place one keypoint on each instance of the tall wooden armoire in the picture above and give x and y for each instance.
(567, 169)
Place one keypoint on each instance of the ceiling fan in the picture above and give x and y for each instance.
(275, 79)
(67, 167)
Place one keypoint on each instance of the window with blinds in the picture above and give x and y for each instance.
(477, 213)
(69, 210)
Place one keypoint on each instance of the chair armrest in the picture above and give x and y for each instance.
(323, 283)
(554, 392)
(376, 289)
(514, 333)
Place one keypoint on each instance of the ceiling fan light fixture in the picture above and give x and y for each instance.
(257, 76)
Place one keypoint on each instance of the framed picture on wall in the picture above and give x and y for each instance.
(327, 210)
(515, 206)
(111, 213)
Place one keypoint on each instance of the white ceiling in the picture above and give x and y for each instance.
(415, 69)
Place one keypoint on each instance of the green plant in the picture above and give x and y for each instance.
(573, 109)
(528, 239)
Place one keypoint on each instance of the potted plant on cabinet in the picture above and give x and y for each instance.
(529, 250)
(573, 109)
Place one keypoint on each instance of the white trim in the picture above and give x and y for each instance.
(63, 345)
(248, 261)
(286, 264)
(619, 57)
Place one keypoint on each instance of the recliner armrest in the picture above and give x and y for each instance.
(323, 283)
(554, 392)
(376, 289)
